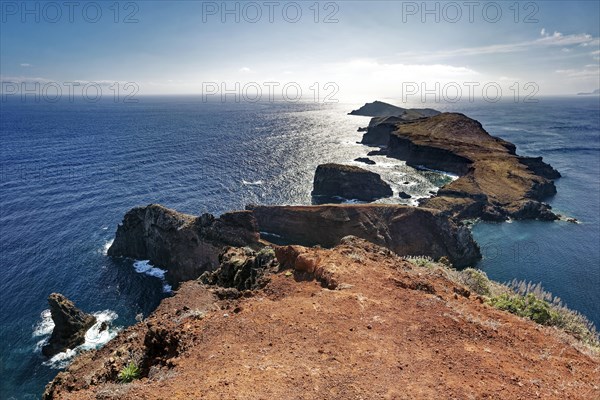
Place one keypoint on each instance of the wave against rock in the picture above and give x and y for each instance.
(70, 325)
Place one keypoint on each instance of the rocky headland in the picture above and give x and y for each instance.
(185, 245)
(494, 182)
(70, 325)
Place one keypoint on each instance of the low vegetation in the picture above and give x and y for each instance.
(129, 373)
(525, 299)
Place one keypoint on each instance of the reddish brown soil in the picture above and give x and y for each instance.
(390, 330)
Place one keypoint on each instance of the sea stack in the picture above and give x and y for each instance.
(70, 325)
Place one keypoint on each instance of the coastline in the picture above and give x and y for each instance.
(177, 294)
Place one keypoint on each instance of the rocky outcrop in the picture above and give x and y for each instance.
(403, 229)
(242, 269)
(381, 109)
(386, 117)
(70, 325)
(494, 183)
(184, 245)
(335, 182)
(365, 160)
(379, 130)
(353, 322)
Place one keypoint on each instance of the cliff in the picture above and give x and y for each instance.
(184, 245)
(494, 184)
(403, 229)
(351, 322)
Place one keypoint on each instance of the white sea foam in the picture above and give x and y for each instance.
(45, 326)
(107, 246)
(94, 338)
(269, 234)
(252, 183)
(144, 267)
(446, 173)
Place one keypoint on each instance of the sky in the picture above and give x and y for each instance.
(343, 50)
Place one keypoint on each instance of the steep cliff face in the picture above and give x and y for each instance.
(494, 184)
(183, 244)
(335, 181)
(351, 322)
(70, 325)
(403, 229)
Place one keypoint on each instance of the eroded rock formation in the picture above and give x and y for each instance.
(184, 245)
(70, 325)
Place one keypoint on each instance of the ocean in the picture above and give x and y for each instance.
(70, 170)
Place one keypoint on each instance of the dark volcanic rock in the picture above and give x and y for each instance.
(70, 325)
(404, 195)
(378, 134)
(242, 269)
(403, 229)
(538, 167)
(183, 244)
(365, 160)
(380, 152)
(381, 109)
(494, 184)
(348, 182)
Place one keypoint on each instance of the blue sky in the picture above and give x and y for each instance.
(370, 49)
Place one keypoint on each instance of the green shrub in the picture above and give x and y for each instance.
(129, 373)
(527, 306)
(476, 280)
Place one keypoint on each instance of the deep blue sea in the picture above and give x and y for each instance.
(70, 171)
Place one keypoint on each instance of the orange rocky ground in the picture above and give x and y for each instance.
(354, 322)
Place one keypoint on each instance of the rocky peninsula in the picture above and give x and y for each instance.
(494, 182)
(349, 300)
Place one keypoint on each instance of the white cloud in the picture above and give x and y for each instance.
(543, 32)
(26, 65)
(588, 71)
(245, 70)
(547, 40)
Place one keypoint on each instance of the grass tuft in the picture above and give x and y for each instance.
(129, 373)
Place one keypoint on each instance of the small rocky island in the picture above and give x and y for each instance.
(335, 183)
